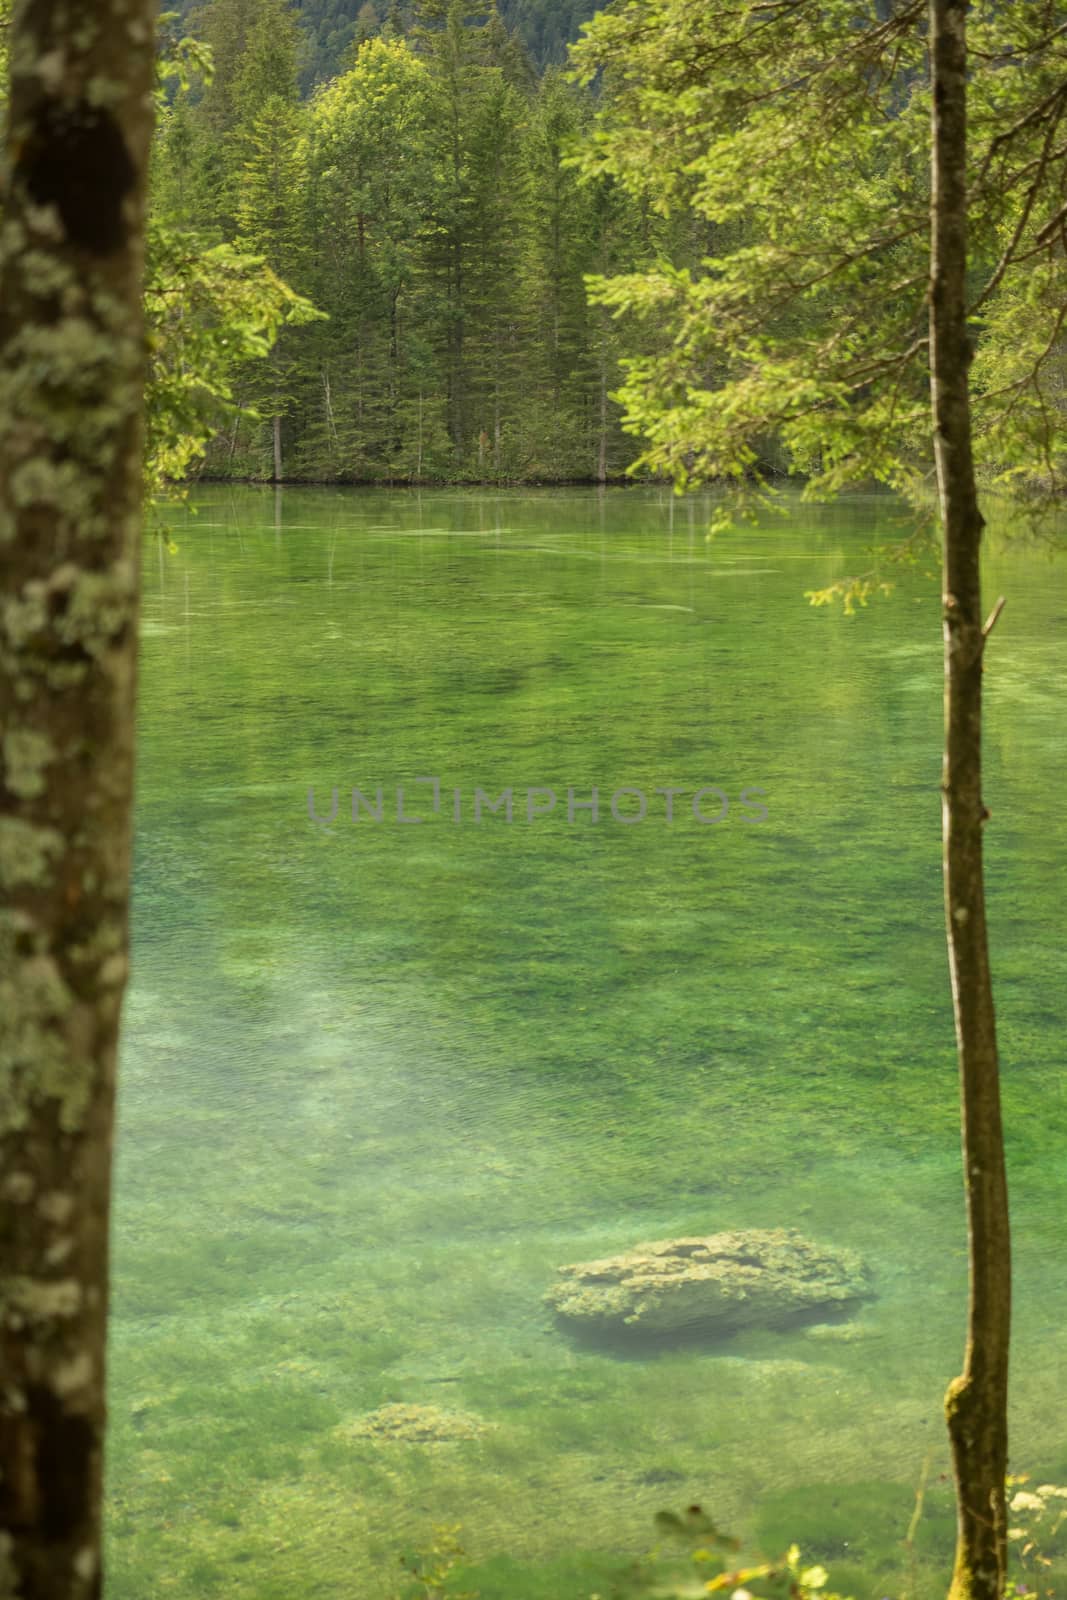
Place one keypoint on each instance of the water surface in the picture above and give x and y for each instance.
(381, 1079)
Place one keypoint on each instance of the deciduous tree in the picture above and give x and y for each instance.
(72, 367)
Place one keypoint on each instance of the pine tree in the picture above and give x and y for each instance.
(271, 223)
(499, 331)
(373, 186)
(475, 226)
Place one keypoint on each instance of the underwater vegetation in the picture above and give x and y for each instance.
(378, 1085)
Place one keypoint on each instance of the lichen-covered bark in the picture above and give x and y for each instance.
(976, 1403)
(71, 387)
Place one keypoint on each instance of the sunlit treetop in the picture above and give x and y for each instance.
(799, 131)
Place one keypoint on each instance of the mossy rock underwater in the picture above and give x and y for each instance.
(414, 1424)
(678, 1288)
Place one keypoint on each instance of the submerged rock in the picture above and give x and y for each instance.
(726, 1281)
(415, 1424)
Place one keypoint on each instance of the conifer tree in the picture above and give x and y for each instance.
(271, 191)
(373, 187)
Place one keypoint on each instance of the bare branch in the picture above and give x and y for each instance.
(993, 615)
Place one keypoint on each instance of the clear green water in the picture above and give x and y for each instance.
(380, 1080)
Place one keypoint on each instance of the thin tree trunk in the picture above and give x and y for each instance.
(71, 347)
(976, 1402)
(330, 421)
(277, 446)
(418, 454)
(602, 440)
(235, 429)
(458, 379)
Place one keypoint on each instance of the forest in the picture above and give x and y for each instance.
(415, 193)
(441, 199)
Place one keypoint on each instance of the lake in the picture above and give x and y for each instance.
(381, 1078)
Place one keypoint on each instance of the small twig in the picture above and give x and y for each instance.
(993, 615)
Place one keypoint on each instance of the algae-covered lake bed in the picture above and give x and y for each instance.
(380, 1080)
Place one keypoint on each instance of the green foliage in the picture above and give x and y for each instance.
(208, 312)
(211, 309)
(694, 1557)
(419, 199)
(707, 1566)
(861, 1531)
(331, 30)
(371, 184)
(852, 1526)
(5, 23)
(806, 315)
(773, 317)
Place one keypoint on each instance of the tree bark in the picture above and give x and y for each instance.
(976, 1402)
(72, 356)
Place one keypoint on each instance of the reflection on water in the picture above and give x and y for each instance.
(381, 1079)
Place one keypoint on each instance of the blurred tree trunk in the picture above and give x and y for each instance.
(72, 358)
(977, 1401)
